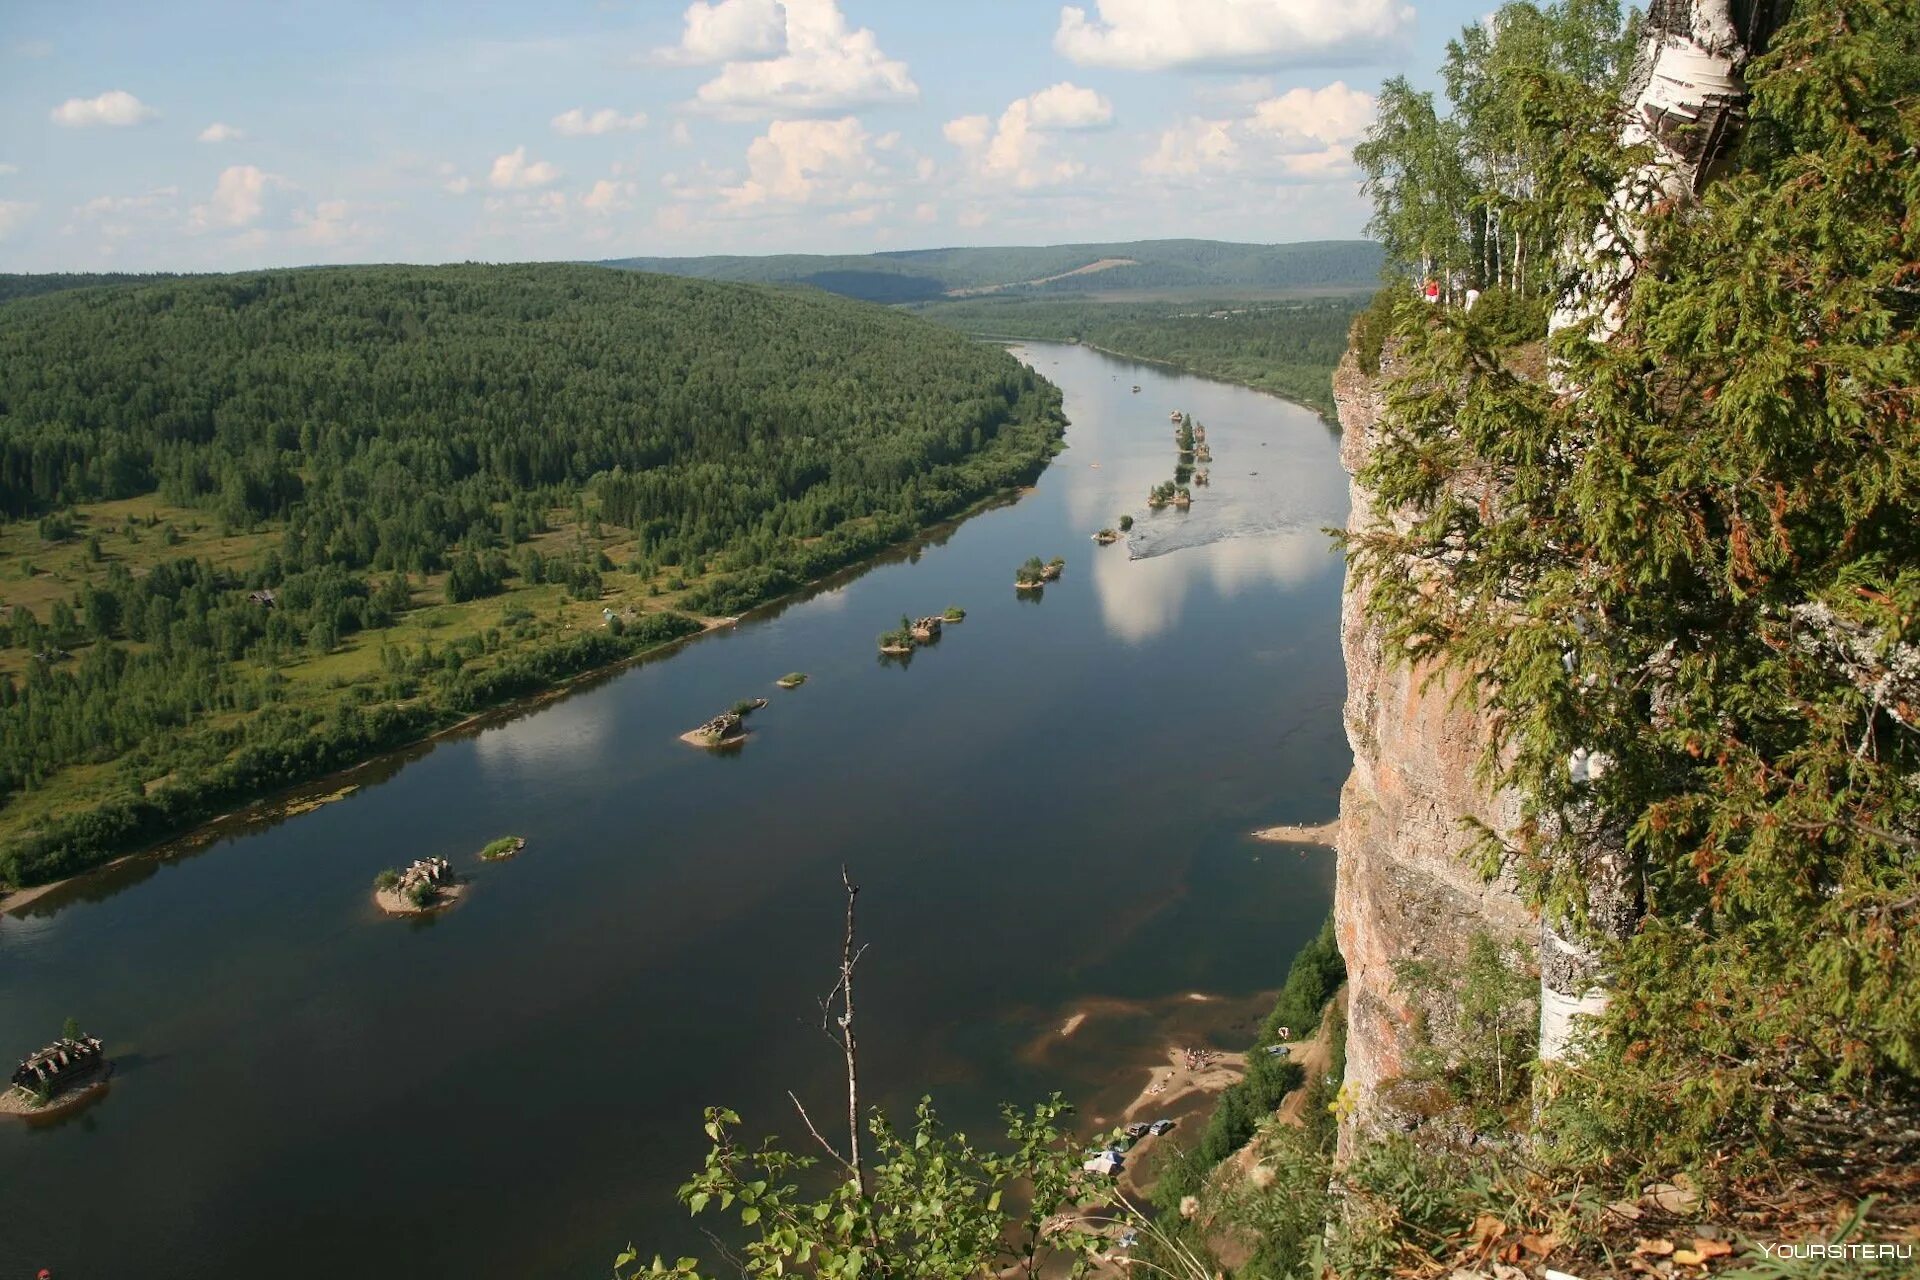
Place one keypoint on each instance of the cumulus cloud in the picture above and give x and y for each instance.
(1194, 145)
(817, 162)
(1302, 135)
(1303, 119)
(218, 132)
(731, 31)
(331, 222)
(608, 196)
(824, 66)
(1068, 106)
(514, 172)
(580, 123)
(1150, 35)
(119, 206)
(1019, 148)
(114, 107)
(13, 216)
(239, 198)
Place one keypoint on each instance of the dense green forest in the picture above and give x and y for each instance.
(256, 526)
(1287, 347)
(26, 286)
(1134, 266)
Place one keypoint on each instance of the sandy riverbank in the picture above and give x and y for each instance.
(15, 1103)
(394, 904)
(1320, 835)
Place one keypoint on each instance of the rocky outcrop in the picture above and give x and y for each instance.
(1406, 890)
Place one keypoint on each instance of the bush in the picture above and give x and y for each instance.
(1372, 327)
(386, 879)
(1316, 973)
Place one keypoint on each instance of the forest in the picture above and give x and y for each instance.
(254, 527)
(1288, 347)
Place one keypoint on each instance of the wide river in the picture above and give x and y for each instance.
(1048, 813)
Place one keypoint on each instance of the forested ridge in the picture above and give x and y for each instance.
(445, 479)
(918, 275)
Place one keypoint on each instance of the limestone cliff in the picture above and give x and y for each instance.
(1405, 891)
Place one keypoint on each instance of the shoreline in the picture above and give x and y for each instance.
(1325, 412)
(393, 904)
(1322, 835)
(282, 802)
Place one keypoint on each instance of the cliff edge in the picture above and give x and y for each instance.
(1405, 889)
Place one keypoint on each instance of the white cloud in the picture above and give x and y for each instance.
(681, 135)
(579, 122)
(1155, 34)
(821, 162)
(8, 170)
(1019, 149)
(13, 216)
(239, 198)
(968, 132)
(609, 196)
(114, 107)
(731, 31)
(1194, 145)
(118, 206)
(1303, 135)
(328, 223)
(825, 67)
(513, 171)
(1068, 106)
(1301, 119)
(218, 132)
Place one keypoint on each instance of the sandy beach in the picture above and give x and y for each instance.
(1320, 835)
(393, 904)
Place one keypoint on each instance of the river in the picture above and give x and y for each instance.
(1047, 811)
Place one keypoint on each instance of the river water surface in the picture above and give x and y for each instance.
(1047, 811)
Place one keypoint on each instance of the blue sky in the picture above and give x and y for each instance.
(223, 136)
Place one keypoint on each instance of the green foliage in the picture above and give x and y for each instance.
(1483, 1051)
(1705, 568)
(933, 1204)
(1315, 974)
(1459, 196)
(421, 894)
(1126, 523)
(388, 879)
(70, 1029)
(954, 613)
(501, 848)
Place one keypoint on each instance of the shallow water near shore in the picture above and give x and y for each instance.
(1048, 811)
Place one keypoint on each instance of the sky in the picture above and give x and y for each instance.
(227, 136)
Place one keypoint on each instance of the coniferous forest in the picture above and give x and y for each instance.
(255, 527)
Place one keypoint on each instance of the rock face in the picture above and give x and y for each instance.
(1405, 890)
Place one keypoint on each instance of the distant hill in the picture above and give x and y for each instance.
(14, 285)
(923, 275)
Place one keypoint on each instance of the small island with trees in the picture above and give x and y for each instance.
(728, 729)
(426, 886)
(59, 1077)
(792, 680)
(1036, 573)
(503, 848)
(901, 641)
